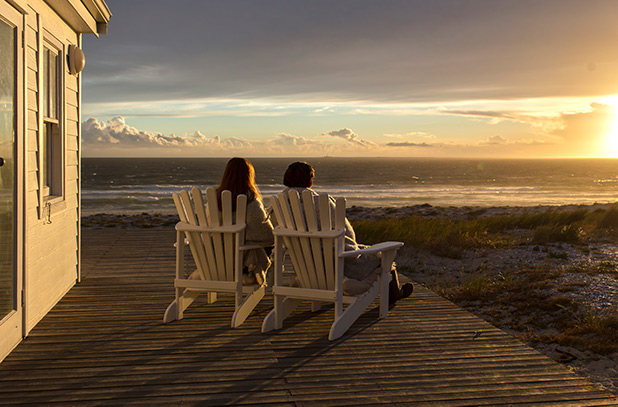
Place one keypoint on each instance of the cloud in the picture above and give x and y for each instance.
(408, 144)
(417, 134)
(117, 132)
(351, 137)
(495, 140)
(116, 137)
(291, 140)
(290, 144)
(541, 122)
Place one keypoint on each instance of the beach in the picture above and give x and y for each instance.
(445, 275)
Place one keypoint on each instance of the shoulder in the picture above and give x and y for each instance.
(255, 204)
(255, 208)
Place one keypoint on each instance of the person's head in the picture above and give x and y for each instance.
(299, 175)
(238, 178)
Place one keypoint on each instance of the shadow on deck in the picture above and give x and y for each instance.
(105, 344)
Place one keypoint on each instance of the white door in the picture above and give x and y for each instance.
(11, 213)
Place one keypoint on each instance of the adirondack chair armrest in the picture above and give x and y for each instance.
(295, 233)
(376, 248)
(186, 227)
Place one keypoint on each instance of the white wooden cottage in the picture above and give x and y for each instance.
(40, 151)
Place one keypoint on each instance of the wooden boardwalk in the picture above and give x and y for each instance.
(105, 344)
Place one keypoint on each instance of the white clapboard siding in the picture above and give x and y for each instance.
(51, 248)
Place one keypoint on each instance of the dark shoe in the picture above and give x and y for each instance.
(394, 293)
(406, 290)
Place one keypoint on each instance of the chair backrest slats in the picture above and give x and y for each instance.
(312, 226)
(241, 209)
(324, 205)
(186, 199)
(293, 243)
(214, 251)
(305, 245)
(217, 239)
(187, 215)
(228, 238)
(202, 217)
(340, 214)
(328, 245)
(313, 258)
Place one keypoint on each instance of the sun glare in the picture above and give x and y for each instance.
(611, 139)
(610, 144)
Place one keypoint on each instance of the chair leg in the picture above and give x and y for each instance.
(183, 299)
(274, 319)
(247, 305)
(171, 313)
(352, 312)
(316, 306)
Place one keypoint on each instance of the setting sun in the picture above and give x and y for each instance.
(610, 143)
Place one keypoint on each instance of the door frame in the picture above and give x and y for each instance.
(12, 326)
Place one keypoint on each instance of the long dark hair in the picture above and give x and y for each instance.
(239, 178)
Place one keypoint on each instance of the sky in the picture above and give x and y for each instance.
(297, 78)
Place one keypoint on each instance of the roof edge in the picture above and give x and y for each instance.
(84, 16)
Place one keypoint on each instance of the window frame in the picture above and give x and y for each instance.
(52, 130)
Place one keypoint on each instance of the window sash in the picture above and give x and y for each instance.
(51, 81)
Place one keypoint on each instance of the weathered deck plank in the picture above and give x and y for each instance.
(105, 344)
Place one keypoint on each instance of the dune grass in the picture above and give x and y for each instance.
(451, 237)
(528, 302)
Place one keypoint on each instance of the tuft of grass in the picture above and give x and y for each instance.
(451, 238)
(603, 267)
(557, 233)
(442, 237)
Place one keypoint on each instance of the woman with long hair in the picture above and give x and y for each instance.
(239, 178)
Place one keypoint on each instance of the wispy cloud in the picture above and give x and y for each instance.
(409, 144)
(495, 140)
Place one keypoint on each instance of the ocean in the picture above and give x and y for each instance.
(135, 185)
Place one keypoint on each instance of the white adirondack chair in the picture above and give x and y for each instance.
(216, 241)
(315, 247)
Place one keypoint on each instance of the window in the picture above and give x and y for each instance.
(51, 140)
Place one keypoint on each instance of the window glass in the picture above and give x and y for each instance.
(45, 75)
(53, 85)
(50, 83)
(7, 193)
(50, 142)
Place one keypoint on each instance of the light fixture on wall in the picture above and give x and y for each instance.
(77, 60)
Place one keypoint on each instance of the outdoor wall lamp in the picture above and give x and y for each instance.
(77, 60)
